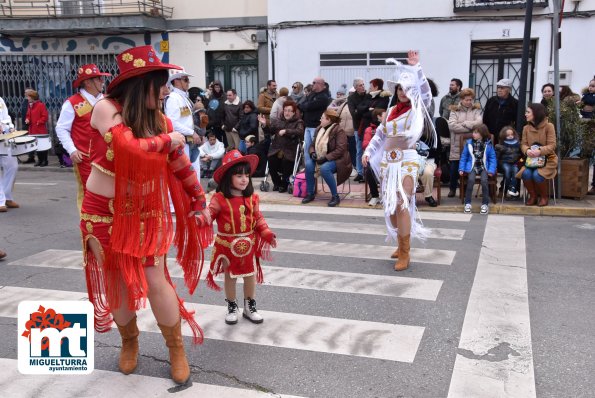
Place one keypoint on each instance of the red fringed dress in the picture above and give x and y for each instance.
(243, 237)
(135, 227)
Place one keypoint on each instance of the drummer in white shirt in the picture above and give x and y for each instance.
(8, 164)
(179, 109)
(74, 124)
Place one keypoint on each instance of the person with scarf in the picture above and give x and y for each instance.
(393, 158)
(137, 163)
(329, 154)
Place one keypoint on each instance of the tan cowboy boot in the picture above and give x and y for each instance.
(542, 192)
(129, 352)
(530, 185)
(180, 371)
(404, 246)
(395, 253)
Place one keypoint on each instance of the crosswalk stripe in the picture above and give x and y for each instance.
(351, 211)
(343, 282)
(495, 357)
(376, 252)
(354, 228)
(103, 382)
(295, 331)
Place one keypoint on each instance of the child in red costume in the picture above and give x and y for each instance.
(243, 236)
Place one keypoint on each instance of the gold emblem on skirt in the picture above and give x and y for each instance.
(240, 247)
(89, 227)
(394, 156)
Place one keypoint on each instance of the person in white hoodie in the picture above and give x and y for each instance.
(211, 153)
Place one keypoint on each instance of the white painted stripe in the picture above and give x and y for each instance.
(352, 211)
(344, 282)
(354, 228)
(286, 330)
(495, 357)
(376, 252)
(37, 183)
(105, 383)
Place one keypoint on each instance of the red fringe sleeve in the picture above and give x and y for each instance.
(191, 237)
(264, 237)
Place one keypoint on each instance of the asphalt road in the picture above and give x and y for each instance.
(339, 322)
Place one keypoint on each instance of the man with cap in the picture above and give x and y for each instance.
(500, 110)
(8, 164)
(74, 124)
(178, 108)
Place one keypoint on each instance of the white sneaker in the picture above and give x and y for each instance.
(250, 312)
(513, 192)
(232, 312)
(468, 208)
(374, 201)
(484, 209)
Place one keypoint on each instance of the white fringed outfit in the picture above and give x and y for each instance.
(392, 153)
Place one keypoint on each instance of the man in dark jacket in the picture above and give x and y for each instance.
(232, 109)
(500, 110)
(215, 111)
(353, 101)
(312, 108)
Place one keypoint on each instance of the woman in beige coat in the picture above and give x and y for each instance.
(464, 117)
(539, 139)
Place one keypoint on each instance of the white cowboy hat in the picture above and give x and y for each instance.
(177, 74)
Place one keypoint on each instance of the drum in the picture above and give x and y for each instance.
(43, 142)
(18, 146)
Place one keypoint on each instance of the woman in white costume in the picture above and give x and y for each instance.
(393, 158)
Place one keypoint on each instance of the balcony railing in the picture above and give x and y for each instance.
(81, 8)
(477, 5)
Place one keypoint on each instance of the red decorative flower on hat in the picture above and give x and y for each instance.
(234, 157)
(88, 71)
(137, 61)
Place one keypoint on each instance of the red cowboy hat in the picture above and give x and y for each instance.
(234, 157)
(137, 61)
(88, 71)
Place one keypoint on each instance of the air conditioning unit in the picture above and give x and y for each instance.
(565, 77)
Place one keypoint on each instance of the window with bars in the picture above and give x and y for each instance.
(360, 59)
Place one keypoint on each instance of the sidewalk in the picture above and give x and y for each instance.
(355, 199)
(563, 207)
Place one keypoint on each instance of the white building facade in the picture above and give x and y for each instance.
(477, 41)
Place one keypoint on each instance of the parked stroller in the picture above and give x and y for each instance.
(265, 185)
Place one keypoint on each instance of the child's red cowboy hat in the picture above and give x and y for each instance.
(88, 71)
(137, 61)
(235, 157)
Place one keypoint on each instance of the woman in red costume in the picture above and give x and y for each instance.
(243, 236)
(127, 228)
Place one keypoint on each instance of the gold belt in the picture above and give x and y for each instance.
(97, 219)
(239, 247)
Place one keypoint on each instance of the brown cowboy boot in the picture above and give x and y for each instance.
(530, 185)
(395, 253)
(542, 191)
(180, 371)
(129, 352)
(404, 246)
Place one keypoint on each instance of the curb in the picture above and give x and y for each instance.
(546, 211)
(512, 209)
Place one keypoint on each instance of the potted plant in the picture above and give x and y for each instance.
(576, 142)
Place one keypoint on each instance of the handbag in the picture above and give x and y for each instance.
(536, 162)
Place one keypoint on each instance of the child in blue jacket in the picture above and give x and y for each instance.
(478, 158)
